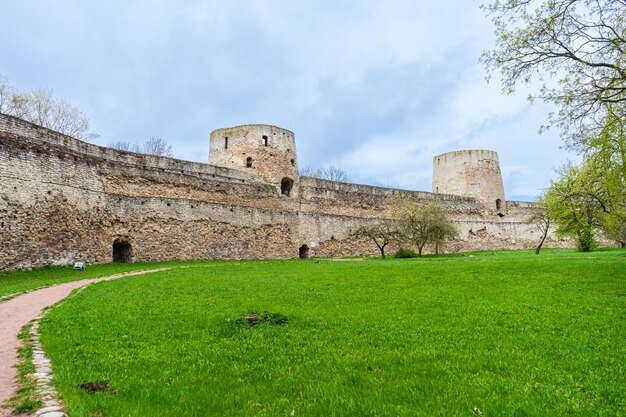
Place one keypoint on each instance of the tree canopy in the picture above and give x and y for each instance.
(574, 203)
(574, 49)
(422, 223)
(381, 233)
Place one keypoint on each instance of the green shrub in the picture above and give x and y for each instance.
(586, 241)
(405, 253)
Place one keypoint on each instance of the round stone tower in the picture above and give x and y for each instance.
(473, 173)
(263, 150)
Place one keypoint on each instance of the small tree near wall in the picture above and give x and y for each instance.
(541, 220)
(381, 234)
(423, 223)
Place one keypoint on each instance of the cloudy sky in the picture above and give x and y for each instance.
(375, 87)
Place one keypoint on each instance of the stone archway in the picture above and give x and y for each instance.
(122, 251)
(285, 186)
(304, 252)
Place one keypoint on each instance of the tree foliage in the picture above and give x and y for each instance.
(381, 233)
(592, 197)
(575, 204)
(575, 49)
(614, 227)
(423, 223)
(331, 173)
(42, 108)
(605, 168)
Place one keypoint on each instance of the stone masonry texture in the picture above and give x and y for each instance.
(63, 200)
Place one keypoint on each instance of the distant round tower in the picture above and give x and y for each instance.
(474, 173)
(263, 150)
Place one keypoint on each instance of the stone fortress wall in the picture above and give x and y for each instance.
(63, 200)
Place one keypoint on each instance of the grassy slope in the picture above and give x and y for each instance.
(19, 281)
(510, 333)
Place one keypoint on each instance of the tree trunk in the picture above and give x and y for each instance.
(437, 248)
(381, 248)
(543, 239)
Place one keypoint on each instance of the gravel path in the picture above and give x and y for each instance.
(18, 311)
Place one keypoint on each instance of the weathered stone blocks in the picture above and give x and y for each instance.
(63, 200)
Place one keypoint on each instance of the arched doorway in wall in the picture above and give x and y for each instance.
(285, 186)
(122, 251)
(499, 208)
(304, 252)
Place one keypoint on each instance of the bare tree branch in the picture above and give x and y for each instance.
(331, 173)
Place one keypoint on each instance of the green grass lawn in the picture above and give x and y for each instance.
(14, 282)
(511, 333)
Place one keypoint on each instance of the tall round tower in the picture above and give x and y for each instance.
(472, 173)
(263, 150)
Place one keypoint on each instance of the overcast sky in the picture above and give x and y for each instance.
(375, 87)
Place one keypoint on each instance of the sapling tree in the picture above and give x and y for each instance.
(381, 233)
(541, 220)
(422, 223)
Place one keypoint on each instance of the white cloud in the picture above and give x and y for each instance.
(376, 87)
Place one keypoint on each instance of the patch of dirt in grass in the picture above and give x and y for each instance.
(266, 317)
(252, 319)
(93, 387)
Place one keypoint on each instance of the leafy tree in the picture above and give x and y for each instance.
(331, 173)
(615, 228)
(423, 223)
(444, 229)
(606, 166)
(601, 178)
(574, 202)
(381, 234)
(576, 49)
(40, 107)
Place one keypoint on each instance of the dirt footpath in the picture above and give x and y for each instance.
(18, 311)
